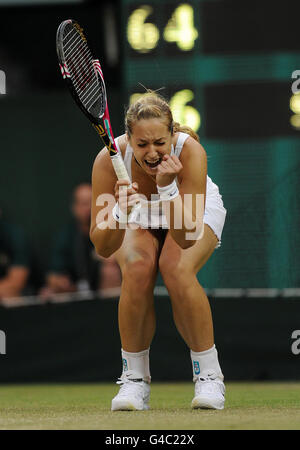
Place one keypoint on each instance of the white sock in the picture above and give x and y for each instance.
(206, 361)
(136, 364)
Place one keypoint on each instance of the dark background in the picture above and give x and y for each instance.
(240, 71)
(74, 342)
(47, 146)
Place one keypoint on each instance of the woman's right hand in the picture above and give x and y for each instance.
(127, 196)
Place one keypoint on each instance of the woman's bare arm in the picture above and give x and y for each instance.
(105, 232)
(186, 210)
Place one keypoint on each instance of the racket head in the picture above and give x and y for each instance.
(78, 69)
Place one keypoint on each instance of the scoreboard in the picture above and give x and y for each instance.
(161, 37)
(226, 73)
(156, 51)
(228, 69)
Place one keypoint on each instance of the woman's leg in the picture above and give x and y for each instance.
(191, 309)
(138, 261)
(192, 315)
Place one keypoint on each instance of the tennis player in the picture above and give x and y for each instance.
(165, 160)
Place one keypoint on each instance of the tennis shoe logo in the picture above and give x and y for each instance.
(2, 82)
(196, 367)
(125, 365)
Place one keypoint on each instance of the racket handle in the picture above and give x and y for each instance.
(122, 174)
(120, 168)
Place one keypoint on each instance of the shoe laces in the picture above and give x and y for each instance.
(130, 386)
(209, 383)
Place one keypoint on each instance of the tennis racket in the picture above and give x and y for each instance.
(84, 77)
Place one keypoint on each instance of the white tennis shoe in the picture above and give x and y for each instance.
(209, 392)
(134, 395)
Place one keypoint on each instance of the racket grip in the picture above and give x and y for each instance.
(122, 174)
(120, 168)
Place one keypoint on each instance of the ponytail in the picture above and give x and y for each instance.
(185, 129)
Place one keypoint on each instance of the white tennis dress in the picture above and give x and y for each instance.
(151, 215)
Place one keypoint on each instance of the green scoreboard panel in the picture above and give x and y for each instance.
(228, 69)
(160, 38)
(225, 72)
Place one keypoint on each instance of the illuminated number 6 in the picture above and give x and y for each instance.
(142, 37)
(295, 107)
(183, 113)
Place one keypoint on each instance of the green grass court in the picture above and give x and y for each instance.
(254, 405)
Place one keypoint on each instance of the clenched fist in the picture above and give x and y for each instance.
(126, 195)
(168, 170)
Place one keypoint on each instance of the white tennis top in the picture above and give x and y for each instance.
(151, 215)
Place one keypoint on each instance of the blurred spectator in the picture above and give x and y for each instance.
(15, 260)
(74, 264)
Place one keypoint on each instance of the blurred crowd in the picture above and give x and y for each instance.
(72, 265)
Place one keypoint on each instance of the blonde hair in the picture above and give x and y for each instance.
(154, 106)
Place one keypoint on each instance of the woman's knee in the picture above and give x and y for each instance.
(180, 267)
(174, 272)
(139, 274)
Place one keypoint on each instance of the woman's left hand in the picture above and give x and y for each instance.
(168, 170)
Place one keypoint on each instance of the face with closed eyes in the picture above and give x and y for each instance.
(151, 140)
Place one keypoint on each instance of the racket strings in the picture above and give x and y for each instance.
(85, 55)
(72, 31)
(83, 73)
(80, 64)
(69, 47)
(90, 99)
(86, 89)
(81, 59)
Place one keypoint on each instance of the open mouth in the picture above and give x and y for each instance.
(153, 164)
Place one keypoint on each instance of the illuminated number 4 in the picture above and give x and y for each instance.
(180, 28)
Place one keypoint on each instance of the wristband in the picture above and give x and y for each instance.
(168, 192)
(118, 214)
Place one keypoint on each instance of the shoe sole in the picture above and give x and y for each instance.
(206, 403)
(127, 406)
